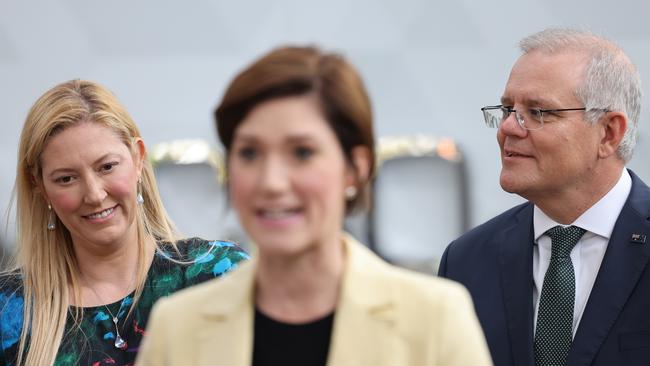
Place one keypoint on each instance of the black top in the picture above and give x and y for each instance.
(276, 343)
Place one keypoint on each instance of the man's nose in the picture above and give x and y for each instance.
(511, 127)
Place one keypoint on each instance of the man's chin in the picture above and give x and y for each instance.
(510, 183)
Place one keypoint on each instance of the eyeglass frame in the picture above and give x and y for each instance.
(520, 118)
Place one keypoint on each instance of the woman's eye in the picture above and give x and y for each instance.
(64, 179)
(108, 166)
(247, 153)
(303, 152)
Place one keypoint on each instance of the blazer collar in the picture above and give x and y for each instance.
(227, 334)
(516, 265)
(235, 289)
(620, 270)
(360, 284)
(366, 313)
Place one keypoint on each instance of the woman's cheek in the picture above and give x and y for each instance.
(239, 188)
(66, 201)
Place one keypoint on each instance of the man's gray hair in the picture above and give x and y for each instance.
(611, 80)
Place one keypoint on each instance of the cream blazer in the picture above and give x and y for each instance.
(385, 316)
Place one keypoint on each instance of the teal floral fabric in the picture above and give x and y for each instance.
(92, 343)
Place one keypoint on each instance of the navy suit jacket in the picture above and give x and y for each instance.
(495, 262)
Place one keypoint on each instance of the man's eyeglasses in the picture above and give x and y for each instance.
(529, 119)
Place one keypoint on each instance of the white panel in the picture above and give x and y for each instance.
(196, 202)
(418, 209)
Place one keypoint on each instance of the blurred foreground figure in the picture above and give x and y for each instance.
(297, 129)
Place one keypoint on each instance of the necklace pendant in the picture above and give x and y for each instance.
(120, 343)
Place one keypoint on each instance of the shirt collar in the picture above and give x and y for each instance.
(599, 218)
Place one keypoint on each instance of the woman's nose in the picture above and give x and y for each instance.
(95, 192)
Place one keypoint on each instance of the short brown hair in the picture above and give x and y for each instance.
(293, 71)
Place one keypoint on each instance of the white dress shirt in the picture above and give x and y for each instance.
(598, 221)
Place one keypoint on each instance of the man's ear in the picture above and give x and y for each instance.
(360, 166)
(614, 125)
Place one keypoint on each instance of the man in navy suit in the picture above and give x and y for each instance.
(566, 127)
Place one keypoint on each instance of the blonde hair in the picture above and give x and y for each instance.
(46, 259)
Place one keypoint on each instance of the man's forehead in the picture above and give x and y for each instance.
(544, 79)
(567, 63)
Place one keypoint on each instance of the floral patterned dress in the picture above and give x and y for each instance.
(93, 342)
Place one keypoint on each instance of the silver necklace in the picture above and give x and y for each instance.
(119, 343)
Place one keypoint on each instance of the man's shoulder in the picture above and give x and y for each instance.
(640, 189)
(477, 251)
(488, 229)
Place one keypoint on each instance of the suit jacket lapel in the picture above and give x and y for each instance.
(363, 332)
(516, 263)
(227, 337)
(619, 272)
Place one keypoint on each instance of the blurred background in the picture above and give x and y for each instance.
(429, 67)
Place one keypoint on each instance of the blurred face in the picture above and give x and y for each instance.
(562, 155)
(90, 179)
(287, 176)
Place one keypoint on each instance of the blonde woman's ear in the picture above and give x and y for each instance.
(141, 152)
(39, 188)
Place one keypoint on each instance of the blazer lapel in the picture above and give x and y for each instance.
(619, 272)
(516, 263)
(227, 336)
(363, 332)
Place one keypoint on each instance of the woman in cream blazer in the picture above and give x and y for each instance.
(385, 316)
(297, 129)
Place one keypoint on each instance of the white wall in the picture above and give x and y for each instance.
(429, 65)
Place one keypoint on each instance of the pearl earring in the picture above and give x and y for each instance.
(350, 192)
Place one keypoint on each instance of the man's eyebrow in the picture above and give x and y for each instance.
(534, 102)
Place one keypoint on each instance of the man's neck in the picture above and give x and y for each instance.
(566, 206)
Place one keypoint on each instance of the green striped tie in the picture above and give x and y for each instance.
(554, 329)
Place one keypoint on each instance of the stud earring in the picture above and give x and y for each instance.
(139, 197)
(350, 192)
(51, 218)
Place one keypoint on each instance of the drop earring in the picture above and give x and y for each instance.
(139, 197)
(51, 218)
(350, 192)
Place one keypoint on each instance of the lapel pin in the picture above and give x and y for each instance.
(638, 238)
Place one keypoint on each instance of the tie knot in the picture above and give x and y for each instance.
(563, 239)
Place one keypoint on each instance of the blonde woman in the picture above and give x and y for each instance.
(95, 246)
(297, 129)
